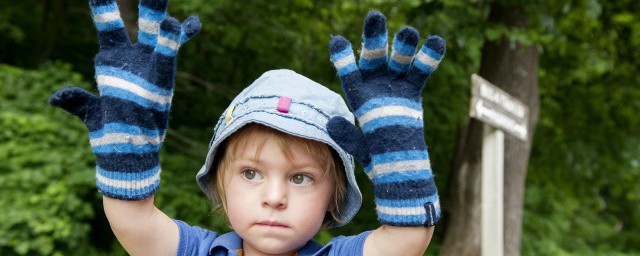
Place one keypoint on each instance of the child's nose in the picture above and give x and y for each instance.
(275, 195)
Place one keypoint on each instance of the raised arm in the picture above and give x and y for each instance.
(127, 121)
(386, 96)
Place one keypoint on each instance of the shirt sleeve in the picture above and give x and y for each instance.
(345, 245)
(194, 240)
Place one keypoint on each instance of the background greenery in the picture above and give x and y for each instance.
(583, 183)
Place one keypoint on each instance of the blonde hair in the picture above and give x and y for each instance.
(256, 133)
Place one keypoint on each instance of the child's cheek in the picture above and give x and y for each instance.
(238, 194)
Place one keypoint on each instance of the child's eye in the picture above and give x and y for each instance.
(301, 179)
(250, 174)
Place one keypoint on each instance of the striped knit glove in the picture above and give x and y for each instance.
(128, 120)
(386, 98)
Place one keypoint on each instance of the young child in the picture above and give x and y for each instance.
(280, 159)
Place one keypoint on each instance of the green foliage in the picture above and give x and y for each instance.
(33, 33)
(47, 198)
(584, 178)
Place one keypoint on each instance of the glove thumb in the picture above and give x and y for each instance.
(78, 102)
(350, 138)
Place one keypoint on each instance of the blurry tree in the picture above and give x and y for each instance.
(511, 64)
(584, 180)
(586, 144)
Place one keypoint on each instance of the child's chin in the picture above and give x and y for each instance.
(278, 250)
(279, 245)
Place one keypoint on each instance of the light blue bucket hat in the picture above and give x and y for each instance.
(293, 104)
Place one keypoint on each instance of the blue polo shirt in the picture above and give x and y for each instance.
(196, 241)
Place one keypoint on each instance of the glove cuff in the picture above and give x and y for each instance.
(134, 185)
(128, 166)
(409, 203)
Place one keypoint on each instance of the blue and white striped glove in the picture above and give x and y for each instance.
(127, 122)
(386, 96)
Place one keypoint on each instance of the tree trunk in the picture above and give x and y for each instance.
(53, 11)
(513, 67)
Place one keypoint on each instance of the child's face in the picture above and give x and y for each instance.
(274, 204)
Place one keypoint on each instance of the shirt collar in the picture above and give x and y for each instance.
(230, 242)
(226, 244)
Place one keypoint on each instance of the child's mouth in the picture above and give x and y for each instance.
(274, 224)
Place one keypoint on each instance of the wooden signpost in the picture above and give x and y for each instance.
(500, 112)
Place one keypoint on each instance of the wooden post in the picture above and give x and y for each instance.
(492, 188)
(500, 113)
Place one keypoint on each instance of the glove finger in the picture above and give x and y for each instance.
(169, 38)
(78, 102)
(106, 18)
(427, 60)
(373, 56)
(164, 56)
(190, 27)
(404, 47)
(150, 15)
(349, 137)
(345, 62)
